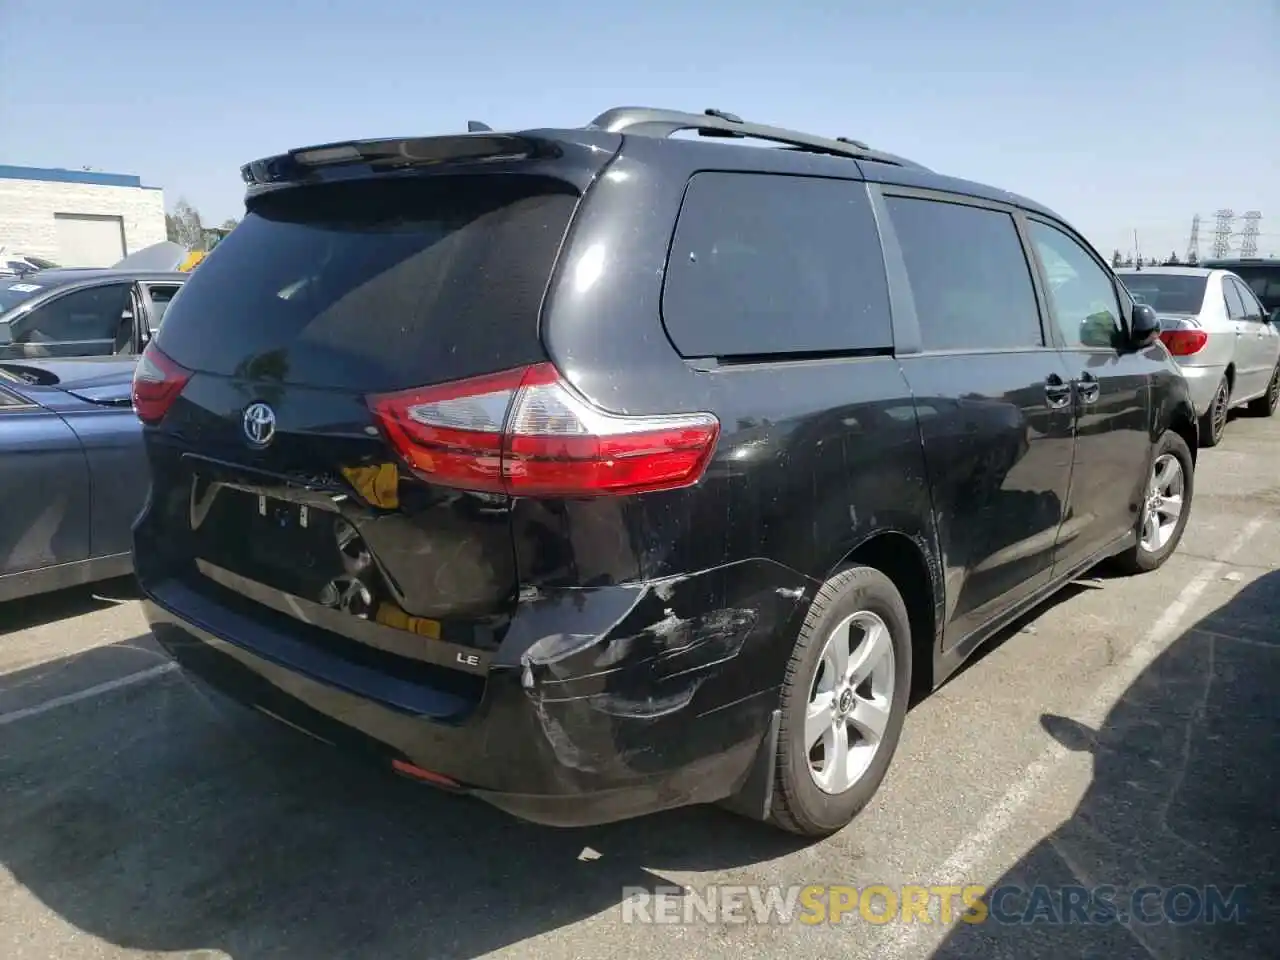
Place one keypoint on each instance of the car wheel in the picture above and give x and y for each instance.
(1165, 507)
(1265, 405)
(1214, 421)
(844, 699)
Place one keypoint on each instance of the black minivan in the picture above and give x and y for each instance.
(598, 471)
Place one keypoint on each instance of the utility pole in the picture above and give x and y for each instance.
(1222, 232)
(1249, 239)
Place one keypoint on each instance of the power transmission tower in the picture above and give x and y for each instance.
(1222, 232)
(1249, 239)
(1193, 245)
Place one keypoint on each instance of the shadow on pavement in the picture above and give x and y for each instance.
(160, 818)
(44, 608)
(1025, 624)
(1184, 795)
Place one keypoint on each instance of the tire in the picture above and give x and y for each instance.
(1214, 422)
(1265, 405)
(862, 597)
(1141, 557)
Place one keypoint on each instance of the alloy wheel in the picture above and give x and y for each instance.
(1220, 410)
(1164, 503)
(849, 702)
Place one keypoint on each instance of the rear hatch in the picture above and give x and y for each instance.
(279, 489)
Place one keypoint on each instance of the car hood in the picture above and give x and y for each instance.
(105, 380)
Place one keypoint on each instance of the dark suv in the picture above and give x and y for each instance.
(597, 471)
(1262, 275)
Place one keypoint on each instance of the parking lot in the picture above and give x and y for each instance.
(1125, 734)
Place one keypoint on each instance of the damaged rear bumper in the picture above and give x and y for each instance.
(600, 704)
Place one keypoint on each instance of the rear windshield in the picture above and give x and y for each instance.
(377, 285)
(1265, 281)
(1167, 292)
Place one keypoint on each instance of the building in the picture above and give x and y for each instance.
(78, 218)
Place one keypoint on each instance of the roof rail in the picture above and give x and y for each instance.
(655, 122)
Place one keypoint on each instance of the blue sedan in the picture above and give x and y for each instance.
(74, 474)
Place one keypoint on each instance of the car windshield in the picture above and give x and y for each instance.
(1167, 292)
(16, 292)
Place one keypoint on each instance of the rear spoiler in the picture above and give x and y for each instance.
(360, 158)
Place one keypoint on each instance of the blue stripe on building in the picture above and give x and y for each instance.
(55, 175)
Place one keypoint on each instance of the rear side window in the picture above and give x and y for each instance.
(764, 265)
(7, 399)
(161, 295)
(969, 276)
(1235, 303)
(376, 285)
(1252, 309)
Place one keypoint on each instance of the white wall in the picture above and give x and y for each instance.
(27, 208)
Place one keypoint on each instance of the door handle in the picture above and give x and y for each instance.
(1057, 391)
(1088, 388)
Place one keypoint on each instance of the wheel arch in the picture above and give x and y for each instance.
(912, 568)
(1183, 422)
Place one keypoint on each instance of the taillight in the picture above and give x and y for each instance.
(527, 433)
(1183, 343)
(157, 381)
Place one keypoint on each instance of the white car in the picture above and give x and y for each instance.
(1221, 336)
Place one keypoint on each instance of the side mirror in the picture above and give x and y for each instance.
(1144, 325)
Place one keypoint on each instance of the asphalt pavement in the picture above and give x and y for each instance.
(1121, 745)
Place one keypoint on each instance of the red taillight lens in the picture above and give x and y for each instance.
(1183, 343)
(527, 433)
(157, 381)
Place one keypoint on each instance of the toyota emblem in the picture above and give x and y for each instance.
(259, 424)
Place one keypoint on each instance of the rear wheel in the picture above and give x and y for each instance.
(844, 699)
(1265, 405)
(1165, 507)
(1214, 422)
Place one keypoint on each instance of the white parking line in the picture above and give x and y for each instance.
(88, 693)
(908, 940)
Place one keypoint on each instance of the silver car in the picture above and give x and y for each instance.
(1220, 334)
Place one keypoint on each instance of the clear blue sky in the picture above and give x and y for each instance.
(1120, 115)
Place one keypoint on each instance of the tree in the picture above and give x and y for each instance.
(1117, 258)
(1173, 260)
(183, 226)
(1128, 261)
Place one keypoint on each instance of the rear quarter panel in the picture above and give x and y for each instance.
(814, 456)
(44, 490)
(118, 477)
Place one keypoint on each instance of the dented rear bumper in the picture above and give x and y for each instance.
(601, 704)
